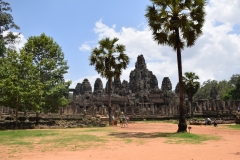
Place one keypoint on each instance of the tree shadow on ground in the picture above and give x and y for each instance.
(142, 134)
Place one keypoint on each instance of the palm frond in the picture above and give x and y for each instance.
(165, 16)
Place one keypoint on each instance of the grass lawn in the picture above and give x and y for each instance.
(237, 126)
(85, 138)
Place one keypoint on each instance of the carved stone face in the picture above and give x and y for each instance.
(98, 85)
(86, 87)
(140, 64)
(166, 84)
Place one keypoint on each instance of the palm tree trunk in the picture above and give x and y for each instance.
(182, 125)
(109, 101)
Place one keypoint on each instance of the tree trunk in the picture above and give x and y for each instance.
(182, 125)
(37, 118)
(17, 114)
(109, 101)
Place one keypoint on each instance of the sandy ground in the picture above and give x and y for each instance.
(227, 148)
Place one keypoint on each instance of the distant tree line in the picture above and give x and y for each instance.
(227, 90)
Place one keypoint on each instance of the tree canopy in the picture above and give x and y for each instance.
(20, 86)
(49, 59)
(225, 88)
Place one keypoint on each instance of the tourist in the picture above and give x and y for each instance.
(209, 121)
(121, 119)
(215, 123)
(113, 118)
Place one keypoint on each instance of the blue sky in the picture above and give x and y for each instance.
(78, 25)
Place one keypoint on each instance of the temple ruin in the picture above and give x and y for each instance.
(141, 97)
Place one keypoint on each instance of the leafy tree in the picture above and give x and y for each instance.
(229, 94)
(177, 23)
(205, 89)
(49, 59)
(233, 93)
(6, 23)
(191, 86)
(20, 86)
(234, 80)
(109, 60)
(223, 87)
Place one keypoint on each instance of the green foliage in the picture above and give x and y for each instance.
(6, 23)
(167, 16)
(49, 59)
(229, 94)
(191, 86)
(204, 91)
(233, 93)
(20, 85)
(234, 80)
(226, 89)
(109, 59)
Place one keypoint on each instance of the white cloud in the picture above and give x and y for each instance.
(223, 11)
(84, 47)
(215, 55)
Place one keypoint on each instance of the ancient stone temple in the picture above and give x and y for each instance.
(141, 97)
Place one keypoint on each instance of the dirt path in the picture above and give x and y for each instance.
(147, 148)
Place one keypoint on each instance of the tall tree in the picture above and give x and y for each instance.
(221, 86)
(234, 92)
(191, 86)
(109, 60)
(177, 23)
(234, 80)
(6, 23)
(20, 85)
(49, 59)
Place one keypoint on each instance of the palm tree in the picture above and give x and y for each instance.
(191, 86)
(109, 60)
(177, 23)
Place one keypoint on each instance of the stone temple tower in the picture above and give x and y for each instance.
(141, 78)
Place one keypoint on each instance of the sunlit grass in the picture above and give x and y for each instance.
(237, 126)
(188, 138)
(52, 138)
